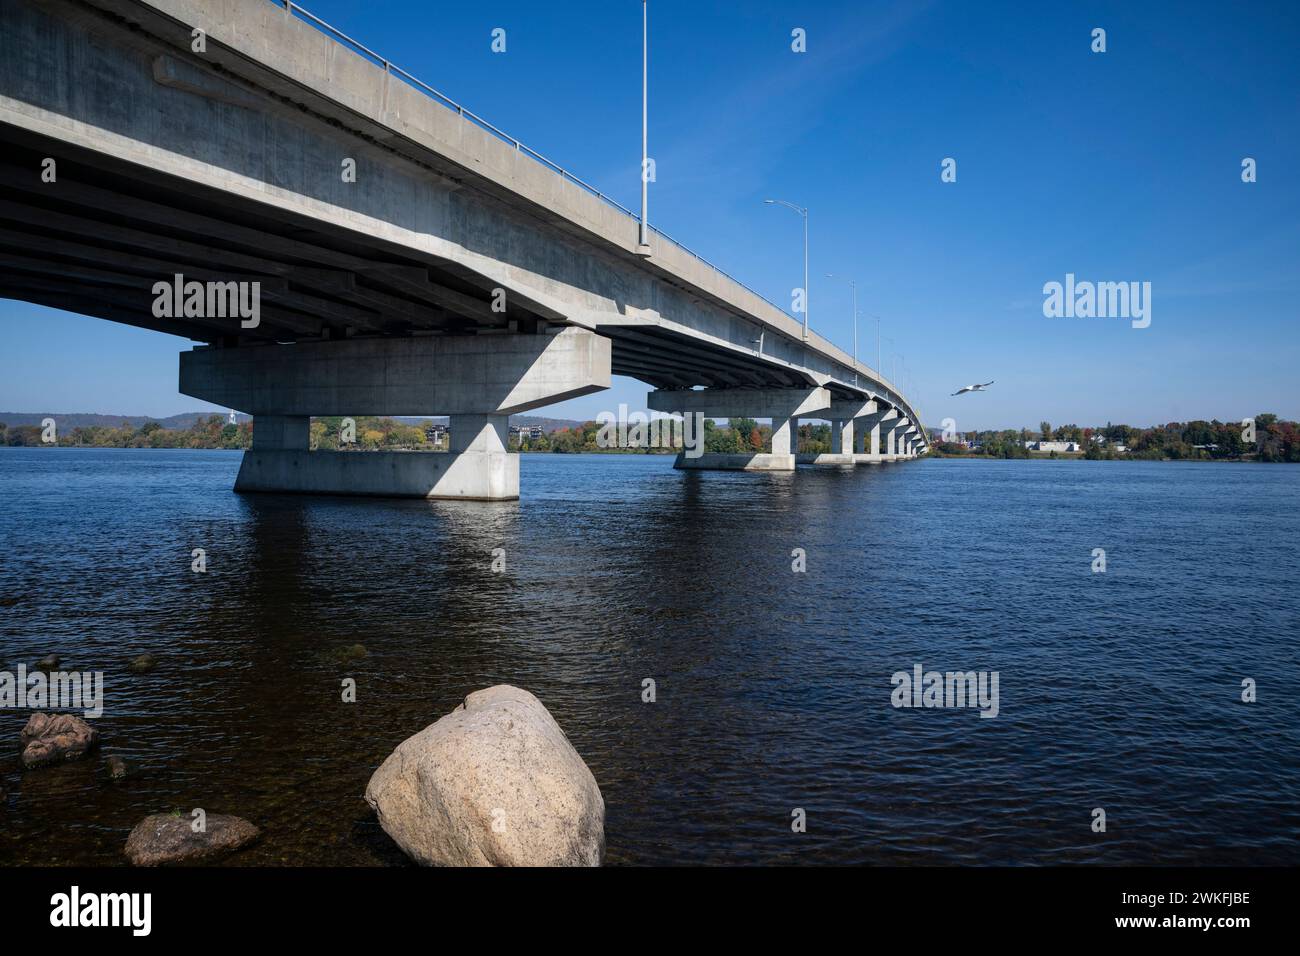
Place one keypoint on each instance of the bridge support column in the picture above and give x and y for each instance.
(478, 381)
(840, 453)
(782, 405)
(898, 430)
(867, 424)
(785, 436)
(282, 432)
(842, 436)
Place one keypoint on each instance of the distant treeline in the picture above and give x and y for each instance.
(210, 432)
(1274, 440)
(214, 431)
(738, 436)
(373, 433)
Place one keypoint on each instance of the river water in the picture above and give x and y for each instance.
(1119, 690)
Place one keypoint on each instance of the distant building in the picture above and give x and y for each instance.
(436, 435)
(1058, 446)
(531, 432)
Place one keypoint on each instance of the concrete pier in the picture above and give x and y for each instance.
(782, 406)
(478, 381)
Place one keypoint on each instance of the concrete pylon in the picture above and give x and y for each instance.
(478, 381)
(877, 427)
(897, 436)
(844, 417)
(782, 405)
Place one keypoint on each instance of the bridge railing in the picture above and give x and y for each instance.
(389, 67)
(439, 97)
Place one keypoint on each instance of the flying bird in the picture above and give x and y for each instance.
(972, 388)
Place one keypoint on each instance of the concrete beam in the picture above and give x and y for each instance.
(427, 375)
(855, 410)
(772, 403)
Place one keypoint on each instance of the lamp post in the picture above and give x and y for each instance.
(879, 370)
(854, 286)
(803, 211)
(643, 239)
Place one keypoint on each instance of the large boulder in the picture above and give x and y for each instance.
(165, 838)
(53, 738)
(493, 783)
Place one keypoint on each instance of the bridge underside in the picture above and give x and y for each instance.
(454, 278)
(97, 240)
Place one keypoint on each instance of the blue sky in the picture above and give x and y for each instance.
(1122, 166)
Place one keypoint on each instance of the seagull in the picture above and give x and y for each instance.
(972, 388)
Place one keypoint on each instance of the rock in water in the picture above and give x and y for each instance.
(117, 768)
(52, 738)
(162, 839)
(493, 783)
(48, 663)
(142, 664)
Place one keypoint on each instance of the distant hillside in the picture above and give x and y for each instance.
(70, 420)
(548, 424)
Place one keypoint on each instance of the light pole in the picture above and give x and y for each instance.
(643, 243)
(854, 286)
(879, 370)
(803, 211)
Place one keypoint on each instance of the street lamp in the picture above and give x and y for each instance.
(803, 211)
(854, 286)
(879, 370)
(643, 241)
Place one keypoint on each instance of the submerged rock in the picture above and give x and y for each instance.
(142, 664)
(117, 768)
(353, 652)
(493, 783)
(48, 663)
(163, 838)
(53, 738)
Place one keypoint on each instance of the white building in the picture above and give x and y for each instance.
(1058, 446)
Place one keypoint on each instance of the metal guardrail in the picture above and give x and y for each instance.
(479, 121)
(308, 17)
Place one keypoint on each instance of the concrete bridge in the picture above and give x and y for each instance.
(409, 258)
